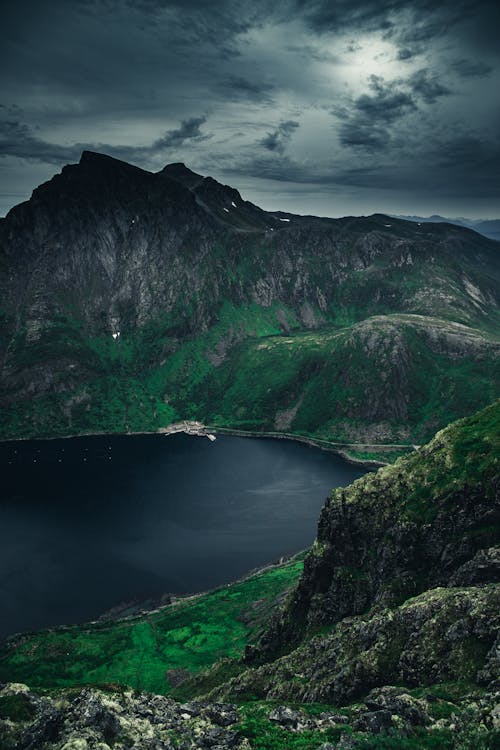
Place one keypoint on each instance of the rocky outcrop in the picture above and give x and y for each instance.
(87, 719)
(84, 719)
(400, 589)
(443, 635)
(428, 520)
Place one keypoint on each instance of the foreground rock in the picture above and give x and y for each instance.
(84, 719)
(91, 719)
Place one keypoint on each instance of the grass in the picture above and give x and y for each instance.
(266, 735)
(149, 652)
(461, 457)
(378, 381)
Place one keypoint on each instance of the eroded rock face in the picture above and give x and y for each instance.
(431, 519)
(442, 635)
(90, 719)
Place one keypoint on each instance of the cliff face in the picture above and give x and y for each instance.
(116, 284)
(117, 244)
(427, 521)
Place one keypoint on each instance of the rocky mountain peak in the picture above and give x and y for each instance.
(179, 172)
(97, 162)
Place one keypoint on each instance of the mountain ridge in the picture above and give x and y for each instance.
(137, 288)
(487, 227)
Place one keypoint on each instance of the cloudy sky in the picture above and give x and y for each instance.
(330, 107)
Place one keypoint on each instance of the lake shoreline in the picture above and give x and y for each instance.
(164, 520)
(178, 599)
(198, 429)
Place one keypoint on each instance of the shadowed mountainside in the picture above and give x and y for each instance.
(131, 300)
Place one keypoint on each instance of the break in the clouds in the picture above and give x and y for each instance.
(315, 106)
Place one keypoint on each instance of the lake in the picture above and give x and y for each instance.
(87, 524)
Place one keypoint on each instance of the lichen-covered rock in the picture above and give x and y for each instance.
(483, 568)
(91, 719)
(441, 635)
(397, 701)
(375, 722)
(287, 717)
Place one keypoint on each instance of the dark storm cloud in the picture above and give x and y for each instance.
(467, 152)
(411, 83)
(189, 129)
(427, 86)
(368, 122)
(239, 87)
(17, 140)
(471, 68)
(278, 139)
(411, 24)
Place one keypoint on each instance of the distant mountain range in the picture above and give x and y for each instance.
(488, 227)
(132, 299)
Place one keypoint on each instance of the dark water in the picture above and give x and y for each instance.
(89, 523)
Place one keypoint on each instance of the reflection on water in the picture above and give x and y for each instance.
(88, 523)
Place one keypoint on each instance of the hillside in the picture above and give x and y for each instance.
(132, 299)
(388, 640)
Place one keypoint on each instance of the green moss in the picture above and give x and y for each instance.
(469, 657)
(266, 735)
(438, 740)
(16, 708)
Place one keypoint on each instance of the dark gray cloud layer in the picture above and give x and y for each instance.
(316, 106)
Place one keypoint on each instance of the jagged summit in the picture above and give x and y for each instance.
(93, 159)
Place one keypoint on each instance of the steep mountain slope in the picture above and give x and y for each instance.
(123, 291)
(426, 521)
(387, 379)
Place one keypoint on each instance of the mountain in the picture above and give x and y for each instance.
(487, 227)
(490, 228)
(384, 636)
(132, 299)
(434, 515)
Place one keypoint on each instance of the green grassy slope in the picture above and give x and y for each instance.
(151, 651)
(391, 379)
